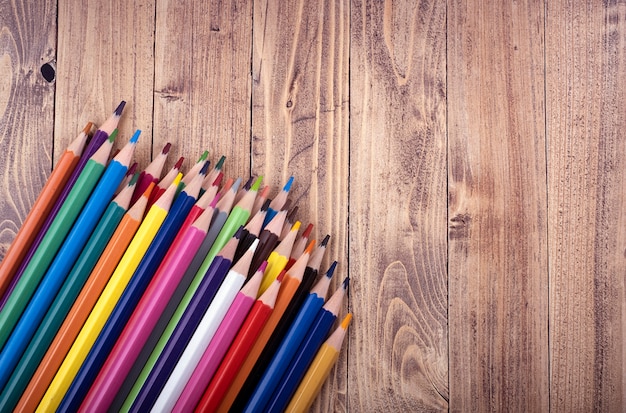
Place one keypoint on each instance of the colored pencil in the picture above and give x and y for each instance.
(175, 308)
(101, 135)
(251, 231)
(289, 345)
(271, 337)
(52, 241)
(299, 246)
(235, 327)
(230, 296)
(278, 258)
(65, 258)
(76, 317)
(252, 366)
(146, 314)
(195, 169)
(165, 183)
(319, 370)
(105, 304)
(268, 239)
(212, 176)
(260, 200)
(183, 331)
(279, 201)
(41, 209)
(130, 175)
(152, 173)
(37, 310)
(133, 291)
(289, 221)
(295, 369)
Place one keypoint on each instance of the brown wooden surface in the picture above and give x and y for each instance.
(468, 160)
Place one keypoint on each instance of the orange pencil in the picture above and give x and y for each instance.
(84, 303)
(41, 208)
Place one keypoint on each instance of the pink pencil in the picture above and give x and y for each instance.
(214, 353)
(146, 315)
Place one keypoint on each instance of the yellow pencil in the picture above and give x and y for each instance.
(319, 370)
(105, 304)
(278, 259)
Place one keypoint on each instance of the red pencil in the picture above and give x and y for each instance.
(164, 183)
(239, 349)
(152, 173)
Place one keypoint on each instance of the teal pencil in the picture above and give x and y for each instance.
(64, 299)
(53, 239)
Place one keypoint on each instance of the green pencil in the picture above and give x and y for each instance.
(53, 239)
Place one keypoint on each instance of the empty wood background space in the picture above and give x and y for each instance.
(468, 159)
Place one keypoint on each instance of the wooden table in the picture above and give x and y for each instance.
(469, 161)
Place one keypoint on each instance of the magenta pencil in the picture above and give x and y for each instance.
(146, 315)
(224, 336)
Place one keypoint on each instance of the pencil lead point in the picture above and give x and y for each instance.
(325, 241)
(218, 179)
(287, 187)
(331, 270)
(87, 128)
(220, 163)
(346, 321)
(257, 184)
(120, 108)
(135, 136)
(166, 148)
(235, 186)
(179, 163)
(113, 135)
(134, 179)
(204, 168)
(265, 205)
(262, 267)
(345, 283)
(204, 155)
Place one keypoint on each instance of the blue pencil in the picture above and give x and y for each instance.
(130, 297)
(278, 202)
(64, 260)
(301, 361)
(192, 316)
(290, 344)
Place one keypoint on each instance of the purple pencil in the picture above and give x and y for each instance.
(101, 135)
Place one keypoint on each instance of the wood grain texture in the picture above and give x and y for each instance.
(585, 70)
(398, 351)
(202, 81)
(27, 41)
(300, 127)
(498, 284)
(105, 55)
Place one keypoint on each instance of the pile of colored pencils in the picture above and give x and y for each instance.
(128, 291)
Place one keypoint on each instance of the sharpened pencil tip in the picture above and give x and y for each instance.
(346, 283)
(331, 270)
(235, 186)
(135, 136)
(218, 180)
(265, 205)
(166, 148)
(238, 233)
(177, 179)
(257, 184)
(220, 163)
(307, 231)
(113, 135)
(120, 108)
(132, 169)
(134, 179)
(281, 276)
(213, 203)
(205, 168)
(262, 267)
(346, 321)
(87, 128)
(204, 155)
(325, 241)
(178, 164)
(287, 186)
(309, 249)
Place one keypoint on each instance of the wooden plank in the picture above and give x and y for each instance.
(202, 81)
(585, 69)
(398, 343)
(300, 126)
(27, 42)
(105, 55)
(498, 281)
